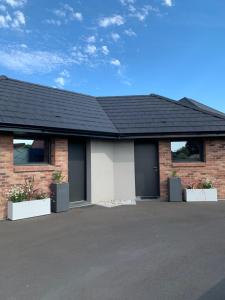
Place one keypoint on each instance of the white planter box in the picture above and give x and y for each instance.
(199, 195)
(28, 209)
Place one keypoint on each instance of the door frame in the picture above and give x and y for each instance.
(156, 143)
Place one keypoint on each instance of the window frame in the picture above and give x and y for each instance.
(191, 161)
(47, 147)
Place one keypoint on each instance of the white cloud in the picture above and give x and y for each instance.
(121, 73)
(68, 8)
(60, 81)
(142, 13)
(77, 16)
(65, 74)
(79, 56)
(130, 32)
(5, 21)
(2, 7)
(71, 14)
(113, 20)
(91, 39)
(32, 61)
(105, 50)
(115, 36)
(87, 56)
(90, 55)
(15, 3)
(61, 13)
(53, 22)
(132, 8)
(14, 21)
(64, 15)
(127, 2)
(90, 49)
(115, 62)
(24, 46)
(18, 20)
(62, 78)
(168, 2)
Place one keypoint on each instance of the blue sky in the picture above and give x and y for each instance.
(175, 48)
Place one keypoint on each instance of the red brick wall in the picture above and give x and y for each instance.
(11, 175)
(213, 169)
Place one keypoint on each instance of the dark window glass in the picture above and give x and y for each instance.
(187, 151)
(31, 151)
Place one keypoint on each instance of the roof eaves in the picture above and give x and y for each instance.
(177, 135)
(59, 131)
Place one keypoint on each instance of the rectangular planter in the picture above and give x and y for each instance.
(175, 189)
(60, 197)
(200, 195)
(28, 209)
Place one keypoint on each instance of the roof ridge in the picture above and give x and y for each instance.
(114, 125)
(123, 96)
(108, 116)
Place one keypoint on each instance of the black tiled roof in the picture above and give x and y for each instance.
(154, 114)
(29, 105)
(195, 104)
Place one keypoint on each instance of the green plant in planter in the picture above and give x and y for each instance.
(57, 177)
(174, 173)
(40, 195)
(25, 192)
(201, 184)
(16, 194)
(206, 184)
(193, 185)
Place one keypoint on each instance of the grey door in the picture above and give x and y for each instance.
(77, 170)
(146, 169)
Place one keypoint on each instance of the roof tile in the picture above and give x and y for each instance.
(34, 105)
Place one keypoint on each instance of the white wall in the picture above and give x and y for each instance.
(102, 174)
(110, 171)
(124, 174)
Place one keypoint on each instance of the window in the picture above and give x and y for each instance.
(31, 151)
(187, 151)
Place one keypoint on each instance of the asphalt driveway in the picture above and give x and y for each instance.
(151, 251)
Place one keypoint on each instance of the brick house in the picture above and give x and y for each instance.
(108, 148)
